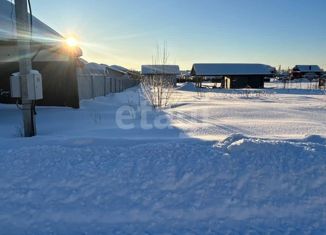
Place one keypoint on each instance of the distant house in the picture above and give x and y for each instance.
(185, 76)
(50, 56)
(170, 73)
(116, 71)
(119, 68)
(93, 69)
(235, 76)
(306, 71)
(132, 74)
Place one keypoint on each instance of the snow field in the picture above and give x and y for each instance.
(84, 175)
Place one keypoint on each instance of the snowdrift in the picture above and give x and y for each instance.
(185, 187)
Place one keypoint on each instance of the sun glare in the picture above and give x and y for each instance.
(72, 42)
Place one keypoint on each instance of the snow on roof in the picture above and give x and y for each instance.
(41, 32)
(231, 69)
(100, 69)
(119, 69)
(93, 68)
(160, 69)
(308, 68)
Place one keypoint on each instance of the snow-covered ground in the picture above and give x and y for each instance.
(215, 114)
(171, 173)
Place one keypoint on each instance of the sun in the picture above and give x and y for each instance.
(72, 42)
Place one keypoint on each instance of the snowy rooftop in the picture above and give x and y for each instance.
(93, 68)
(160, 69)
(119, 69)
(308, 68)
(41, 31)
(231, 69)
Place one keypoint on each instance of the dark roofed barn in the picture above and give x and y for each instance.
(235, 76)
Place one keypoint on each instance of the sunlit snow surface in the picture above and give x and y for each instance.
(256, 164)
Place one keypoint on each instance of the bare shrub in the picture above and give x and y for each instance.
(158, 88)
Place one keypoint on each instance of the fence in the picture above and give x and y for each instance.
(297, 84)
(91, 86)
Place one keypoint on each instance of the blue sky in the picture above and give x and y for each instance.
(126, 32)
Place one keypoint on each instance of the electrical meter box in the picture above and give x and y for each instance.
(34, 86)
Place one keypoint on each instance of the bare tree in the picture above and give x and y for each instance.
(159, 86)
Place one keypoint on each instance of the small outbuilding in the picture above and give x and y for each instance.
(306, 71)
(234, 76)
(169, 73)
